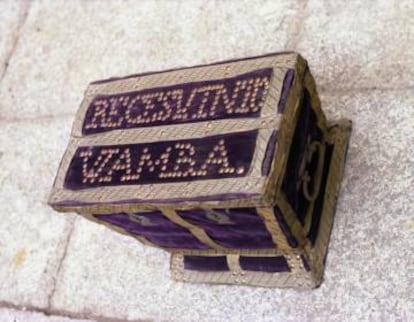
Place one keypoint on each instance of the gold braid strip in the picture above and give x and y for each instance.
(199, 233)
(274, 229)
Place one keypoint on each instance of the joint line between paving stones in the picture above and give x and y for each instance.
(60, 264)
(47, 117)
(62, 313)
(22, 21)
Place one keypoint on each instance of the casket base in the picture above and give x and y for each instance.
(300, 268)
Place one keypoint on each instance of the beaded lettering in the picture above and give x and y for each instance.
(240, 96)
(211, 157)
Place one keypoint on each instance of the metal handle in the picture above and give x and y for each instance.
(305, 177)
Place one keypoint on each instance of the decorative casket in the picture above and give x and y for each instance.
(231, 167)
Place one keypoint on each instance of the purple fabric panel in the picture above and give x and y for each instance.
(317, 211)
(183, 68)
(235, 97)
(234, 228)
(306, 126)
(205, 263)
(305, 263)
(284, 227)
(156, 223)
(156, 228)
(264, 264)
(270, 151)
(287, 85)
(147, 162)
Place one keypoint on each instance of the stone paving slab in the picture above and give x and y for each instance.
(112, 275)
(63, 45)
(371, 250)
(12, 14)
(369, 267)
(32, 236)
(12, 315)
(66, 44)
(352, 44)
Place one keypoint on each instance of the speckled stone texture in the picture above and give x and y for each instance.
(32, 237)
(12, 315)
(123, 37)
(359, 44)
(361, 55)
(12, 16)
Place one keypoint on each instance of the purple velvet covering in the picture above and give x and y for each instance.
(167, 161)
(205, 263)
(116, 165)
(234, 228)
(287, 84)
(306, 126)
(264, 264)
(270, 151)
(285, 228)
(235, 97)
(317, 211)
(156, 228)
(247, 263)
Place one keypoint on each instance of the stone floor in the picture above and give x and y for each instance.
(56, 267)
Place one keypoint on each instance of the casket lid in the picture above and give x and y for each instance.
(203, 136)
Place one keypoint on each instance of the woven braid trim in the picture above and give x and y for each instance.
(274, 229)
(198, 232)
(298, 277)
(143, 196)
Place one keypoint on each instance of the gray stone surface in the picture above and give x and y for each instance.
(352, 44)
(32, 236)
(12, 315)
(352, 48)
(123, 276)
(369, 270)
(65, 45)
(12, 15)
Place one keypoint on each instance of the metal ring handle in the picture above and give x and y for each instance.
(312, 148)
